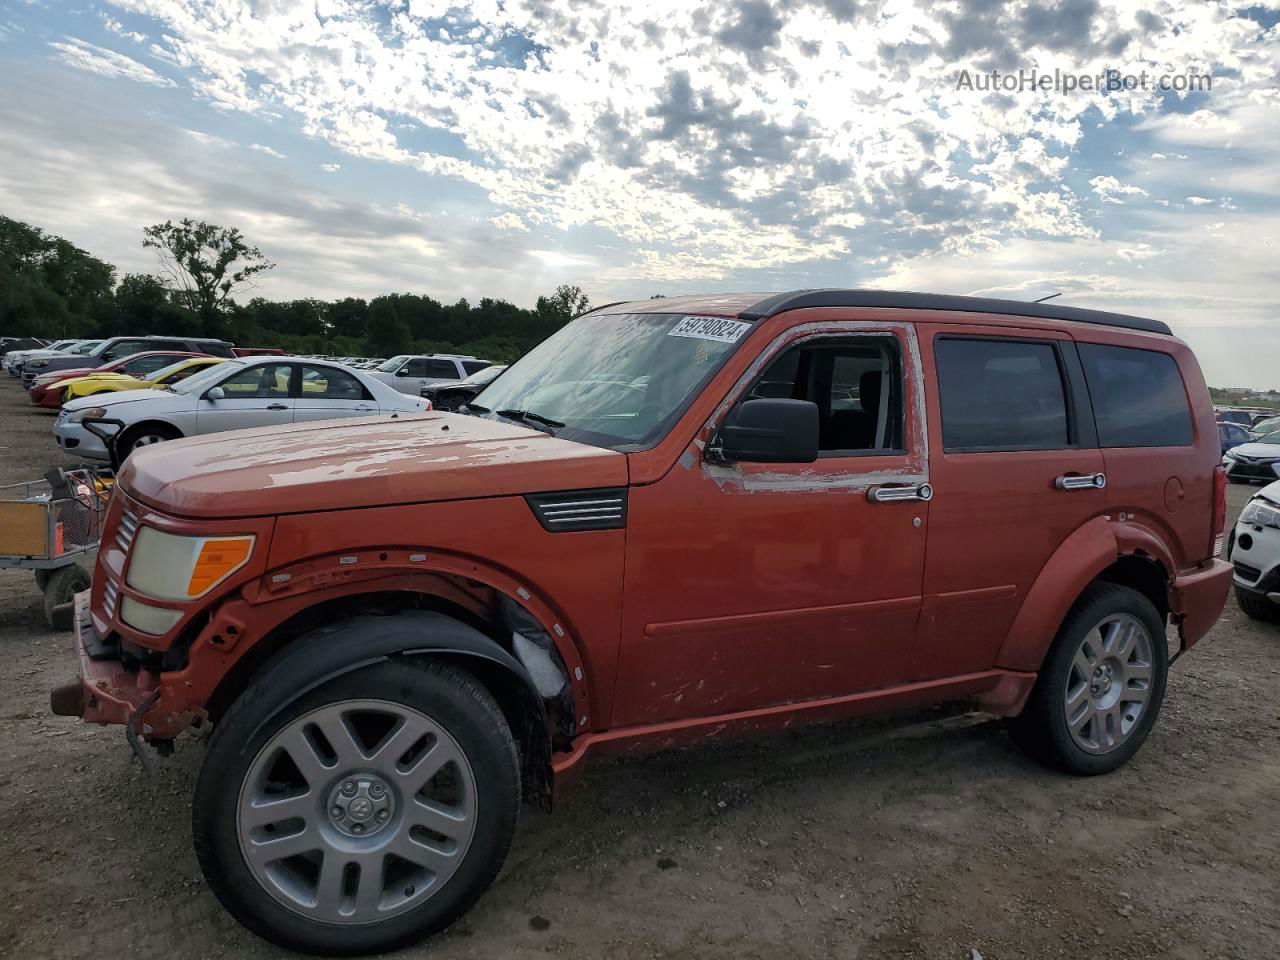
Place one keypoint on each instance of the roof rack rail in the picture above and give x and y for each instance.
(794, 300)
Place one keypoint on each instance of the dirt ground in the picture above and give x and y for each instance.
(926, 835)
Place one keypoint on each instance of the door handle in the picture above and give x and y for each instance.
(894, 494)
(277, 406)
(1076, 481)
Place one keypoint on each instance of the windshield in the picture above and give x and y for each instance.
(1272, 437)
(171, 369)
(84, 347)
(617, 379)
(201, 381)
(392, 364)
(480, 377)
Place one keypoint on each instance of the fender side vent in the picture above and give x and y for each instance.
(569, 510)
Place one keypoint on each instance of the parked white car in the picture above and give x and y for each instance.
(1254, 551)
(14, 360)
(409, 374)
(250, 392)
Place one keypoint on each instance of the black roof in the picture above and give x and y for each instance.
(771, 306)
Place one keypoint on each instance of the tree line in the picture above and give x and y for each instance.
(51, 288)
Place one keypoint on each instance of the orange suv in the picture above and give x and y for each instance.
(673, 520)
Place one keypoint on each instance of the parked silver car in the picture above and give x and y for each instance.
(409, 374)
(251, 392)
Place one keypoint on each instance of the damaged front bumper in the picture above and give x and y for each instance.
(107, 691)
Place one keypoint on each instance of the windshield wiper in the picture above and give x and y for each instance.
(476, 408)
(528, 416)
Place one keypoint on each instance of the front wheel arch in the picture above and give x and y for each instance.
(343, 647)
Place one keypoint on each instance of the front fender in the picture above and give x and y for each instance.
(1077, 561)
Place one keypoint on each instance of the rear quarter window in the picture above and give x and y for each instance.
(1138, 397)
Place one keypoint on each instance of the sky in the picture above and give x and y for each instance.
(501, 147)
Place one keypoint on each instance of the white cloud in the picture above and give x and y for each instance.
(268, 151)
(330, 167)
(106, 63)
(510, 223)
(1198, 201)
(1110, 190)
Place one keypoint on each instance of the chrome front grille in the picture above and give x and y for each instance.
(109, 594)
(569, 511)
(126, 530)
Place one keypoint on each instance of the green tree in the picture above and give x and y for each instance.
(388, 333)
(563, 305)
(207, 263)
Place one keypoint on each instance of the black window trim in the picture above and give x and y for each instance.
(1082, 431)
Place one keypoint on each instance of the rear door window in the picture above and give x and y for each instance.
(1138, 397)
(1001, 395)
(442, 369)
(474, 366)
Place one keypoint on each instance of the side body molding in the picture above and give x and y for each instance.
(1081, 557)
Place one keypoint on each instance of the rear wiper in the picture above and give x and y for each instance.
(528, 416)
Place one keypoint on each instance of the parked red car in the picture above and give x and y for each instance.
(45, 392)
(258, 352)
(673, 520)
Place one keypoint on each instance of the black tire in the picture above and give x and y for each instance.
(453, 698)
(1258, 607)
(60, 593)
(1041, 729)
(42, 579)
(141, 435)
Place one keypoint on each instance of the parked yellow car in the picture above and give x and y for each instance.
(92, 383)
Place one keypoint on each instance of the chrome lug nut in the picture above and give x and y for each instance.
(377, 790)
(357, 828)
(349, 787)
(336, 811)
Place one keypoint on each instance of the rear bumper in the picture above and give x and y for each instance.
(1197, 599)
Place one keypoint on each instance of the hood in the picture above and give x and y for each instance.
(370, 462)
(1270, 492)
(1256, 451)
(115, 399)
(65, 374)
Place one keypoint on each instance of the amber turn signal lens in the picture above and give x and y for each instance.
(217, 559)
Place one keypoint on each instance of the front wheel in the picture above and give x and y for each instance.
(1257, 606)
(144, 436)
(363, 815)
(1101, 685)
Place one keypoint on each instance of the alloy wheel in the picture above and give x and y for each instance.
(357, 811)
(1109, 683)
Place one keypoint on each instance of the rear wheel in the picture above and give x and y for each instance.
(1257, 606)
(144, 435)
(362, 816)
(1101, 686)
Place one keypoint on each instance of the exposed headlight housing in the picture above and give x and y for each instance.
(1261, 513)
(171, 567)
(143, 616)
(89, 413)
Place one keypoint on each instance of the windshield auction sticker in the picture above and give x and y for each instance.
(710, 328)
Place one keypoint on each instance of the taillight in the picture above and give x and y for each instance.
(1219, 509)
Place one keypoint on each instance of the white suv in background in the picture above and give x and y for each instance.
(1254, 551)
(409, 374)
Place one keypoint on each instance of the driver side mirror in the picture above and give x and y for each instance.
(215, 394)
(769, 431)
(403, 371)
